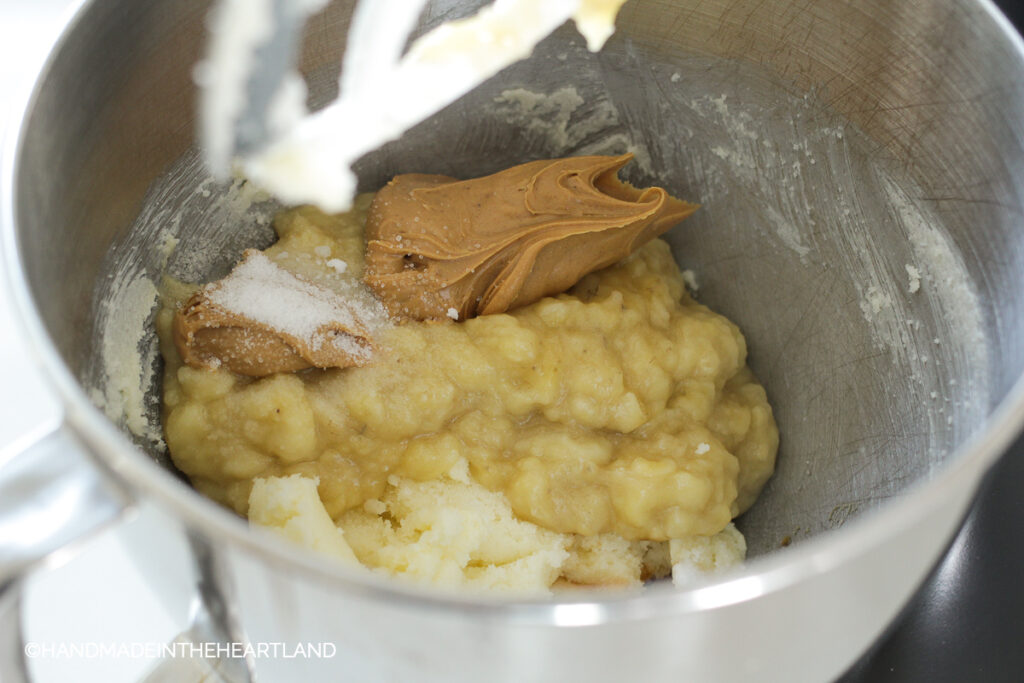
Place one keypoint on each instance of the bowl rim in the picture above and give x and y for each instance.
(121, 460)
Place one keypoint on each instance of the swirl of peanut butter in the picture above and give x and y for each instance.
(439, 247)
(262, 319)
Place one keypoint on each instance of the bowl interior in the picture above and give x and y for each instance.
(857, 167)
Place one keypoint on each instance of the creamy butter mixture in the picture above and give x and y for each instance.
(620, 411)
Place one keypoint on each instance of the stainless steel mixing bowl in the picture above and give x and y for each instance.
(858, 164)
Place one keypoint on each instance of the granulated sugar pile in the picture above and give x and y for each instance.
(265, 293)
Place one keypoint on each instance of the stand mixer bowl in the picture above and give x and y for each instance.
(858, 167)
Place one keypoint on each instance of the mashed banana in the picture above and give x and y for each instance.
(619, 415)
(454, 533)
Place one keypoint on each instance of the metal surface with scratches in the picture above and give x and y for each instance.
(967, 621)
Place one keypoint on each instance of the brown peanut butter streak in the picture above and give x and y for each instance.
(437, 246)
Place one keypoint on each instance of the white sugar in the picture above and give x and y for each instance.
(703, 448)
(265, 293)
(337, 264)
(914, 279)
(453, 314)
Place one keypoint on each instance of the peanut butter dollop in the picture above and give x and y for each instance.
(439, 247)
(262, 319)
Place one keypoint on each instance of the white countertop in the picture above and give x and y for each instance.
(97, 596)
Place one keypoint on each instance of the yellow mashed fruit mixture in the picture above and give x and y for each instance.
(602, 436)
